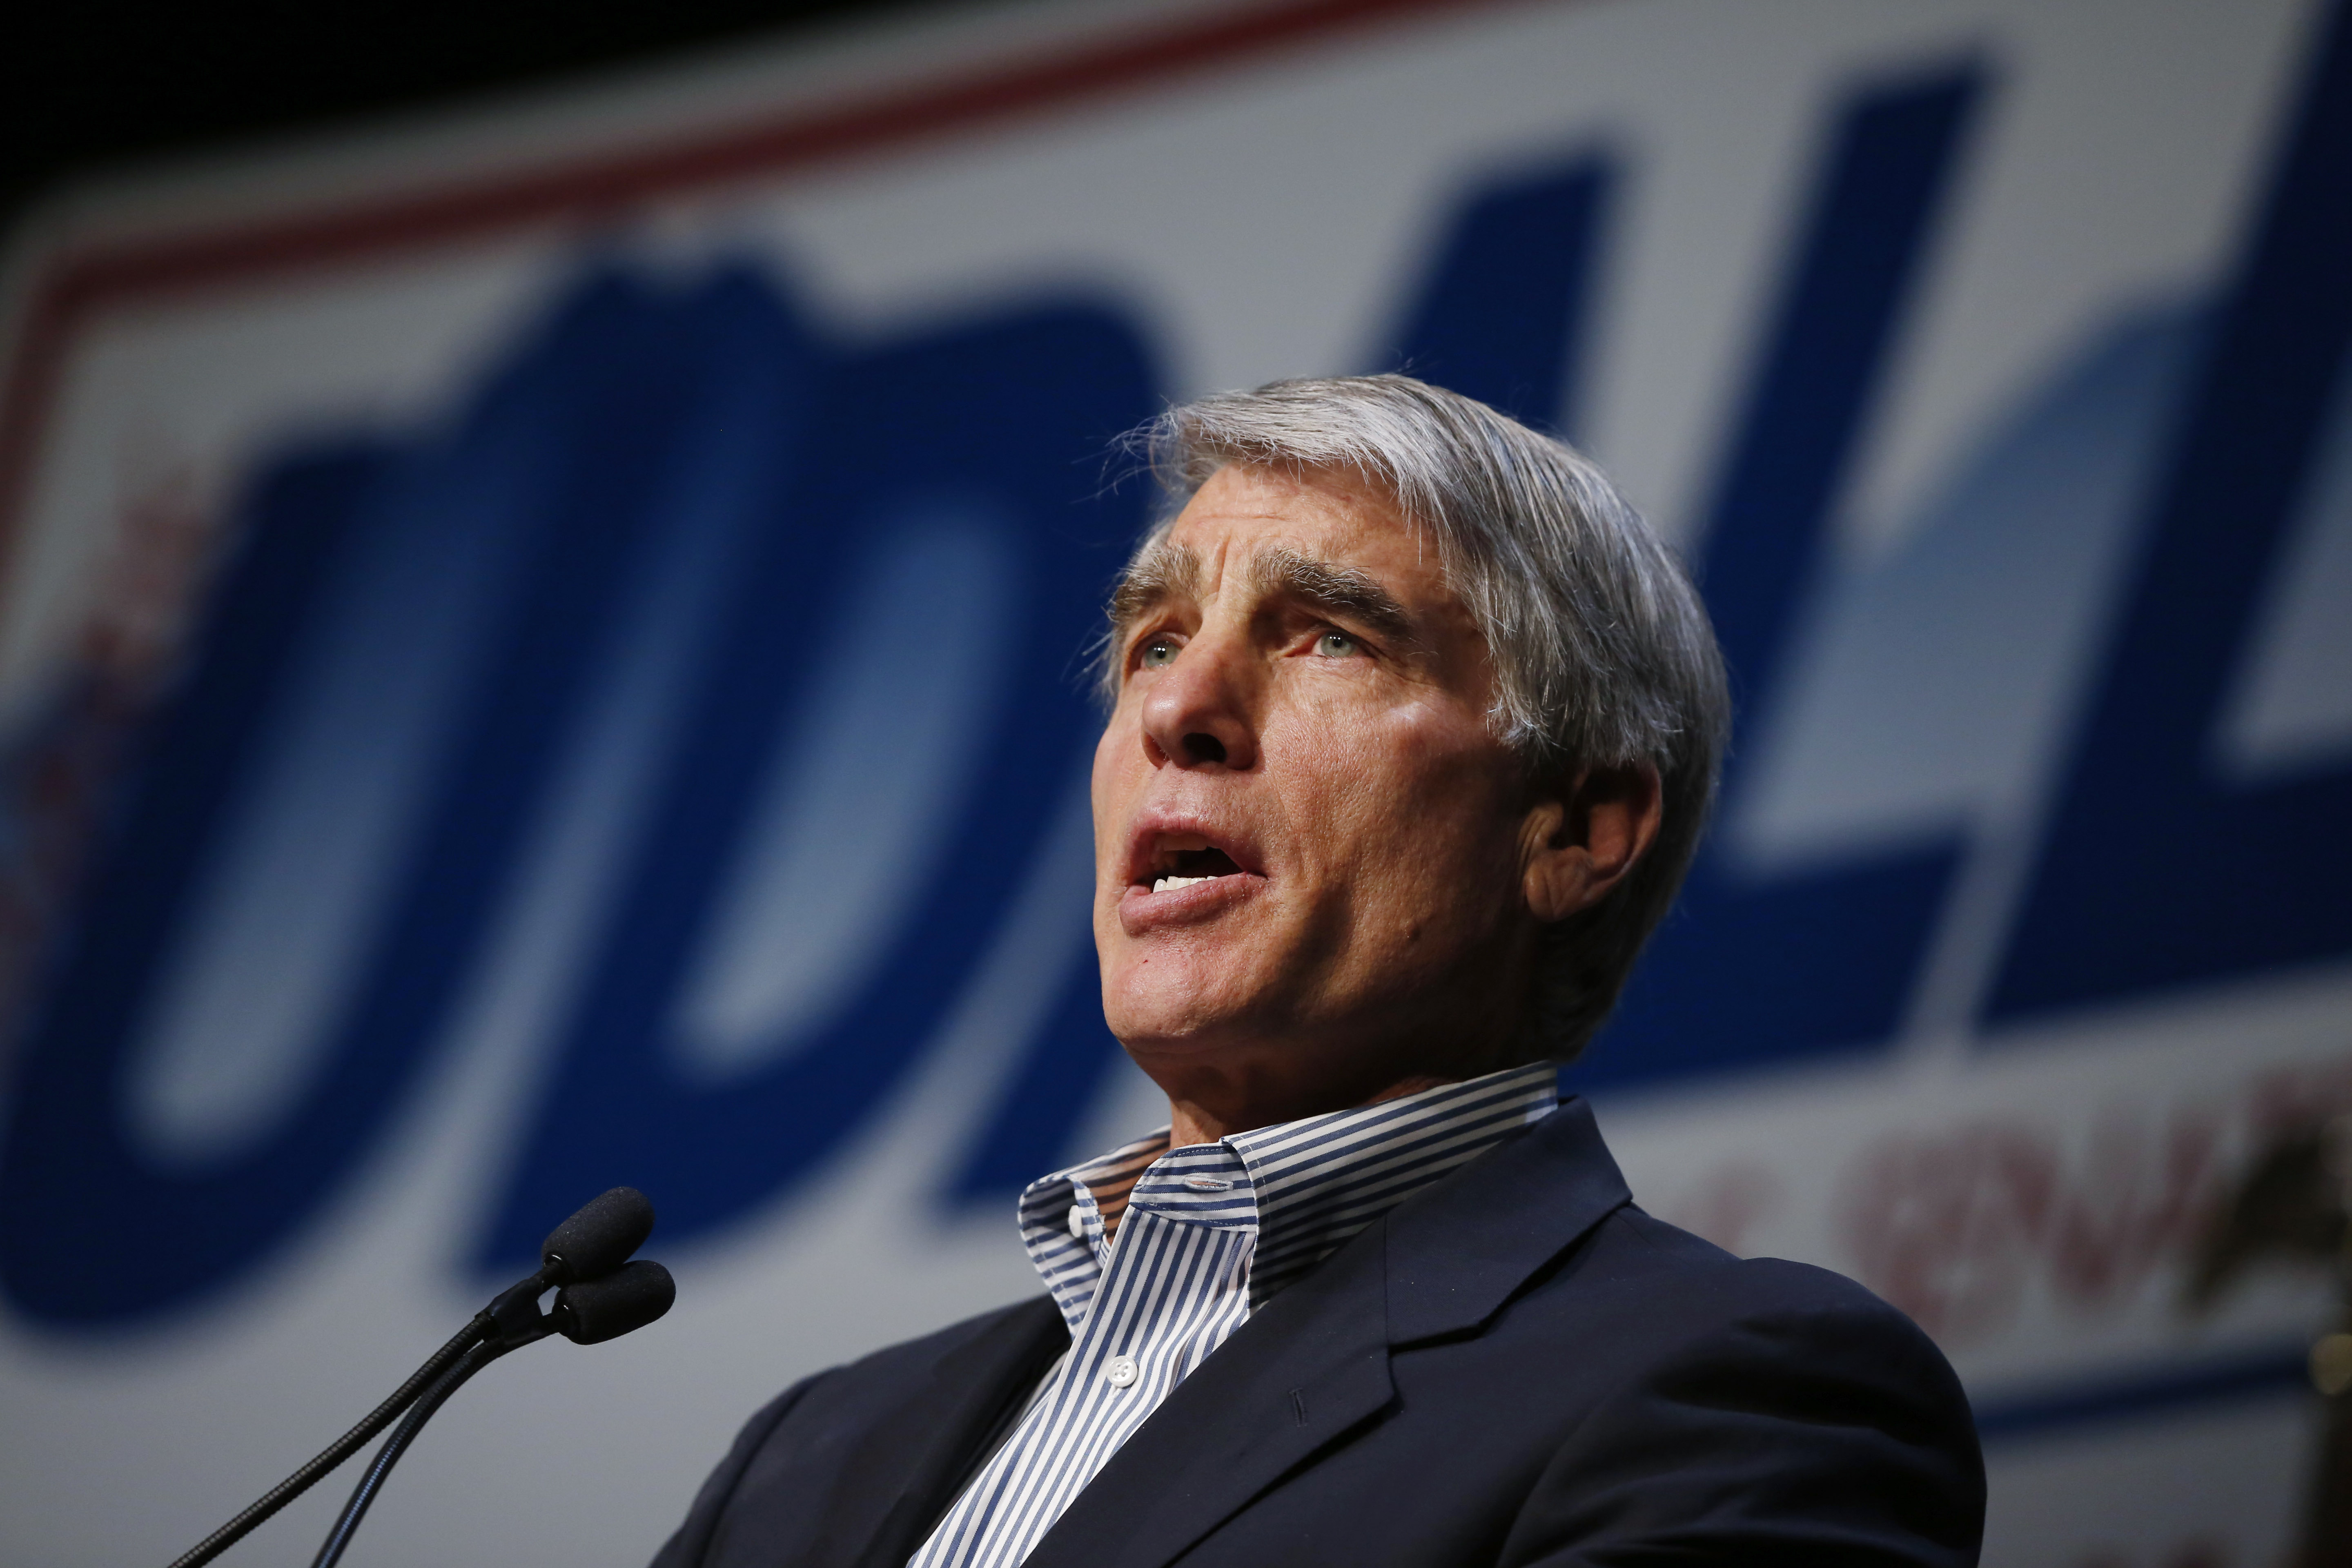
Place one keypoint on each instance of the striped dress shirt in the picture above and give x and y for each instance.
(1205, 1234)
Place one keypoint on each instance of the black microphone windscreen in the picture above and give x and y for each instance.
(626, 1299)
(599, 1238)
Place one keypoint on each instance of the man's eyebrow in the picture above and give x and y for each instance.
(1343, 590)
(1163, 571)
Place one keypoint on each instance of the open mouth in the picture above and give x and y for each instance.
(1180, 860)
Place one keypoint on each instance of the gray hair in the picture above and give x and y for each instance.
(1603, 651)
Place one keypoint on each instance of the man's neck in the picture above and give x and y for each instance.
(1191, 1122)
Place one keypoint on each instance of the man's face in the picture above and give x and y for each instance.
(1308, 838)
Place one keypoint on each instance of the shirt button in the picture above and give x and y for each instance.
(1120, 1372)
(1077, 1222)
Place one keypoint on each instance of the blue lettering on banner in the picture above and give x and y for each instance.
(1502, 315)
(681, 495)
(1749, 972)
(561, 489)
(2157, 871)
(993, 428)
(563, 449)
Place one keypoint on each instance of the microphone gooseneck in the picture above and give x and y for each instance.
(334, 1454)
(603, 1296)
(346, 1523)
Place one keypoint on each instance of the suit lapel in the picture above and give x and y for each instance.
(1308, 1367)
(1459, 1250)
(1314, 1363)
(920, 1455)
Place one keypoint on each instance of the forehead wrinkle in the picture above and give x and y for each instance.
(1344, 590)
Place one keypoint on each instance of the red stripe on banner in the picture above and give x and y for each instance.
(74, 286)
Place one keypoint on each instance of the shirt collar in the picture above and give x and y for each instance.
(1304, 1187)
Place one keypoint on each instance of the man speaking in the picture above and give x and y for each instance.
(1413, 729)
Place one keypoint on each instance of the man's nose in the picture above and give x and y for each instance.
(1201, 711)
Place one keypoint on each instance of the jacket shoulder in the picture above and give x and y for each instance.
(1635, 1254)
(1754, 1403)
(1680, 1298)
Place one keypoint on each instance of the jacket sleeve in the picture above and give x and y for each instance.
(1833, 1436)
(690, 1544)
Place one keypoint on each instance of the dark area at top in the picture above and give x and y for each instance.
(94, 84)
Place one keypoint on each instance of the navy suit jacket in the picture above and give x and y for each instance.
(1517, 1366)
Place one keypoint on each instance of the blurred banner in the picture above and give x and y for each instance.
(547, 648)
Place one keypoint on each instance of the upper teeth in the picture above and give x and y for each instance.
(1165, 883)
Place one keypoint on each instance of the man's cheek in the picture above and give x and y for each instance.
(1420, 725)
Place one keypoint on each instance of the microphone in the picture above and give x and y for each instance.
(622, 1303)
(603, 1296)
(598, 1240)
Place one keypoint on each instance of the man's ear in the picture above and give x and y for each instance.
(1577, 843)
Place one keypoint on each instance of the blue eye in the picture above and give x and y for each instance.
(1337, 645)
(1157, 653)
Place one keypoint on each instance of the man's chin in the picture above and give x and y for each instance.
(1172, 1009)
